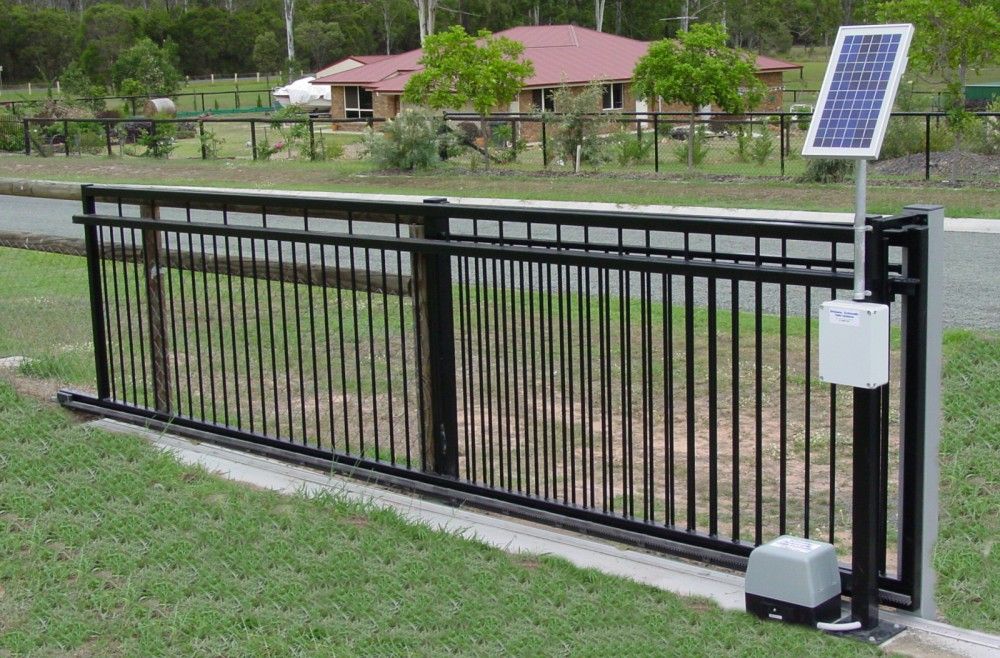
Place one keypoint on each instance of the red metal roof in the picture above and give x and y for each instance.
(768, 64)
(368, 59)
(562, 54)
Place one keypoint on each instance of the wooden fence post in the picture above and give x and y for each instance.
(155, 310)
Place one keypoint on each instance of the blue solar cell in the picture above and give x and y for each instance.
(861, 77)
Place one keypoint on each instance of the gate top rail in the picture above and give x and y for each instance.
(395, 212)
(706, 268)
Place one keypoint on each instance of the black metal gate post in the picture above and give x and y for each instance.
(656, 143)
(107, 136)
(253, 139)
(312, 140)
(866, 463)
(96, 300)
(784, 141)
(545, 146)
(27, 136)
(927, 147)
(436, 333)
(920, 419)
(201, 137)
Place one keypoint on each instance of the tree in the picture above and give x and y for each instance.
(289, 13)
(321, 42)
(266, 52)
(426, 12)
(951, 38)
(482, 70)
(599, 15)
(146, 69)
(698, 69)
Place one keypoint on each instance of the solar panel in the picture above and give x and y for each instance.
(858, 91)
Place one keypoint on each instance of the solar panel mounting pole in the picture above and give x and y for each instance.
(852, 113)
(860, 187)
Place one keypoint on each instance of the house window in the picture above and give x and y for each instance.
(357, 103)
(544, 99)
(613, 95)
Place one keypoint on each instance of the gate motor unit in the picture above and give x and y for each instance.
(794, 580)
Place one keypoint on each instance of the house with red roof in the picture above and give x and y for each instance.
(562, 55)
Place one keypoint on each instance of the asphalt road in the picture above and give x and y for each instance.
(971, 295)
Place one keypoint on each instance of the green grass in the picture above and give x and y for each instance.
(357, 176)
(46, 317)
(122, 551)
(968, 550)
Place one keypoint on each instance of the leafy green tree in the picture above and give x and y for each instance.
(267, 52)
(106, 32)
(951, 38)
(483, 71)
(319, 43)
(698, 69)
(146, 69)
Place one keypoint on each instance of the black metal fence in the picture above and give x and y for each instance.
(751, 144)
(205, 138)
(918, 146)
(649, 378)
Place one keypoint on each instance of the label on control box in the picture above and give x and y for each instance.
(846, 317)
(798, 545)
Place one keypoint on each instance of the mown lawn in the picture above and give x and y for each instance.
(73, 501)
(357, 176)
(116, 549)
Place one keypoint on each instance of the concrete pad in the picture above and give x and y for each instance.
(922, 638)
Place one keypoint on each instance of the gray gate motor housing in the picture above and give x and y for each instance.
(794, 580)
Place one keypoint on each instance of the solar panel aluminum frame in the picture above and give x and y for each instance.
(871, 151)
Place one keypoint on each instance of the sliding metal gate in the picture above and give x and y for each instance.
(647, 378)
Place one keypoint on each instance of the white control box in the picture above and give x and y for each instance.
(854, 343)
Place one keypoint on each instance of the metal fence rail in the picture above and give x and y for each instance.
(651, 378)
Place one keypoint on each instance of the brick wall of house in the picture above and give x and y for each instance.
(774, 98)
(336, 101)
(385, 106)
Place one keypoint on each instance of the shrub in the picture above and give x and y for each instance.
(504, 147)
(629, 148)
(159, 141)
(826, 171)
(327, 150)
(699, 151)
(984, 136)
(575, 125)
(11, 134)
(906, 135)
(744, 140)
(761, 147)
(210, 144)
(413, 140)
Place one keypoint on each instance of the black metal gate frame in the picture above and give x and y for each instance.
(887, 280)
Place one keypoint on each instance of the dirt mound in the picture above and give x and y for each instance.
(944, 164)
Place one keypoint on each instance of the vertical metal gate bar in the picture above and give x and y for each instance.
(94, 266)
